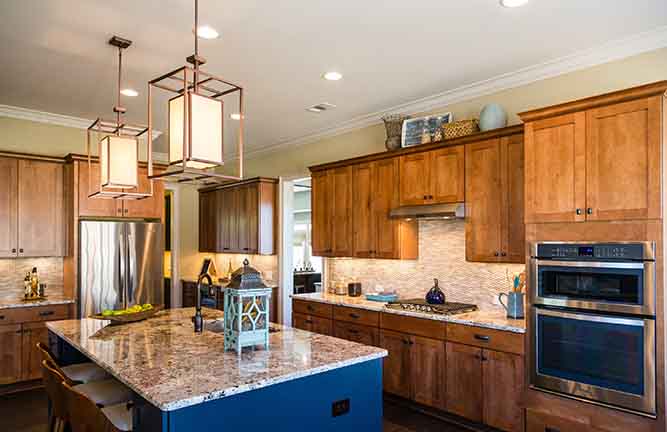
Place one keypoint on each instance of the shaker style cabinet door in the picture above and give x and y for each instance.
(396, 370)
(40, 202)
(321, 213)
(8, 207)
(11, 349)
(428, 370)
(513, 238)
(484, 203)
(32, 358)
(464, 381)
(447, 172)
(207, 212)
(88, 180)
(414, 179)
(503, 389)
(341, 218)
(555, 169)
(623, 161)
(363, 220)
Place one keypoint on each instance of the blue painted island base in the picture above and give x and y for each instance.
(347, 399)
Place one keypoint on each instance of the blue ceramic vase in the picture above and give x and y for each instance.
(435, 294)
(492, 116)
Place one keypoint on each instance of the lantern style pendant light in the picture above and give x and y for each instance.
(196, 120)
(118, 149)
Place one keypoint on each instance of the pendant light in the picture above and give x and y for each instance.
(196, 120)
(118, 148)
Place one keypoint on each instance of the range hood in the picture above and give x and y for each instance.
(433, 211)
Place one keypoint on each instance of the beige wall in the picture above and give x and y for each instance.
(629, 72)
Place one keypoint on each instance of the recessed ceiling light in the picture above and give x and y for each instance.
(207, 32)
(235, 116)
(332, 76)
(324, 106)
(513, 3)
(129, 92)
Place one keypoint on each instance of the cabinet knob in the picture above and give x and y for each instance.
(589, 211)
(496, 253)
(503, 254)
(126, 210)
(2, 317)
(20, 250)
(13, 250)
(578, 211)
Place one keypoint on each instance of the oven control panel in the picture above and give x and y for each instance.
(592, 251)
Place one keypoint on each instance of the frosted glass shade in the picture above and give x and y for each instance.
(118, 162)
(206, 116)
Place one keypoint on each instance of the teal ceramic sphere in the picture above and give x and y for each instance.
(492, 116)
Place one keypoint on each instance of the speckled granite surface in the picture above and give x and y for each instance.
(11, 303)
(165, 362)
(488, 319)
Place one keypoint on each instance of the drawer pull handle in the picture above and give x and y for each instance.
(550, 429)
(353, 331)
(46, 313)
(308, 321)
(484, 338)
(2, 317)
(354, 315)
(310, 308)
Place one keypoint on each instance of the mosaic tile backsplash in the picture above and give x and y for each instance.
(441, 256)
(13, 270)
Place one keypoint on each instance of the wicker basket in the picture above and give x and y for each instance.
(459, 128)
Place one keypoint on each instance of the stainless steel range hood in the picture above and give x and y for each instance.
(433, 211)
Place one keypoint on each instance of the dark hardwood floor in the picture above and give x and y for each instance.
(27, 412)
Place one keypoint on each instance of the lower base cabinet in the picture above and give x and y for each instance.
(464, 379)
(313, 324)
(32, 358)
(396, 370)
(356, 333)
(10, 353)
(543, 422)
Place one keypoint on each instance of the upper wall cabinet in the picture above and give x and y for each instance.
(495, 231)
(238, 217)
(332, 212)
(433, 177)
(597, 159)
(31, 208)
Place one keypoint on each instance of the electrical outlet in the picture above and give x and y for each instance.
(340, 407)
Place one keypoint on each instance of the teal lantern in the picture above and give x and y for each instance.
(247, 300)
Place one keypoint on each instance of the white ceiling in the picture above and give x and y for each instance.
(55, 57)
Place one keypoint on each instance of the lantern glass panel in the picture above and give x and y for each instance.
(118, 161)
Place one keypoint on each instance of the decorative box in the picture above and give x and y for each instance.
(247, 300)
(459, 128)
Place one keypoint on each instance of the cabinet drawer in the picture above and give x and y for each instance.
(357, 333)
(417, 326)
(312, 308)
(543, 422)
(313, 324)
(486, 338)
(355, 315)
(34, 313)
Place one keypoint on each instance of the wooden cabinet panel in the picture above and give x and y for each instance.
(11, 349)
(356, 315)
(363, 218)
(207, 211)
(623, 161)
(503, 377)
(313, 324)
(396, 371)
(415, 326)
(356, 333)
(151, 207)
(414, 179)
(248, 218)
(484, 201)
(486, 338)
(230, 222)
(312, 308)
(321, 199)
(464, 381)
(8, 207)
(555, 169)
(428, 371)
(341, 220)
(41, 214)
(32, 359)
(512, 178)
(94, 206)
(447, 168)
(543, 422)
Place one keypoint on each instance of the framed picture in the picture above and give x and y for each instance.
(412, 131)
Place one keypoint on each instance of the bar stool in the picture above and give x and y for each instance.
(77, 373)
(86, 416)
(53, 385)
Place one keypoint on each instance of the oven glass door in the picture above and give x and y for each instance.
(603, 358)
(614, 287)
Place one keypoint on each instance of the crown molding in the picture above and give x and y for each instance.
(50, 118)
(605, 53)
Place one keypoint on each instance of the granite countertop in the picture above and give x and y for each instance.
(17, 302)
(489, 319)
(170, 366)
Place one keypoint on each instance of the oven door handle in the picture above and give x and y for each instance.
(637, 322)
(593, 264)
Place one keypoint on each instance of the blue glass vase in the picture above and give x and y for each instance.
(435, 294)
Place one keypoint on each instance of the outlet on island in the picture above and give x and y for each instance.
(340, 407)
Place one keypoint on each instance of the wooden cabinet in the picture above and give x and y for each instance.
(433, 177)
(146, 208)
(375, 193)
(464, 381)
(428, 366)
(362, 334)
(332, 212)
(544, 422)
(32, 359)
(321, 200)
(396, 369)
(11, 349)
(8, 207)
(313, 324)
(495, 231)
(600, 163)
(238, 217)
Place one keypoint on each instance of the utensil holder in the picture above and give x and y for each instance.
(514, 305)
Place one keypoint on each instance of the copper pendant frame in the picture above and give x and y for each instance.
(105, 129)
(187, 81)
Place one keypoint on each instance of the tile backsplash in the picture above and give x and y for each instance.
(13, 270)
(441, 256)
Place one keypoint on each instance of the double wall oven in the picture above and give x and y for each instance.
(593, 322)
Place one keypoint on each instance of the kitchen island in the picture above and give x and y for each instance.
(184, 381)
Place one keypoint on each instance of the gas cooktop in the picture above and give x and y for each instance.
(419, 305)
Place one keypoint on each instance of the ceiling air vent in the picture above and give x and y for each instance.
(324, 106)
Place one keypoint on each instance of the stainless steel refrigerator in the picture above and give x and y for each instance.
(120, 265)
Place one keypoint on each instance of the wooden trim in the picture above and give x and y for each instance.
(496, 133)
(30, 156)
(239, 183)
(72, 157)
(415, 326)
(653, 89)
